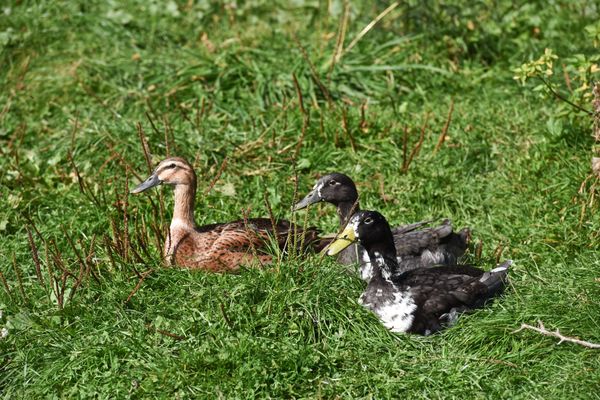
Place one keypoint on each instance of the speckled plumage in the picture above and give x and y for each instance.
(217, 247)
(416, 246)
(422, 300)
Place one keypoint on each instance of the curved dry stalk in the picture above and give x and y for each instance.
(542, 329)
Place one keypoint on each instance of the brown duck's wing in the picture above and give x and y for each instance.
(223, 250)
(260, 230)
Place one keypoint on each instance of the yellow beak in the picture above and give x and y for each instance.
(343, 240)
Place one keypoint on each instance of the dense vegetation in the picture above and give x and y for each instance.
(421, 109)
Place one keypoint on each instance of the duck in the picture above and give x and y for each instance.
(416, 245)
(423, 300)
(220, 247)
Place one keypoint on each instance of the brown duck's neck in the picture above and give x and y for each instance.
(185, 197)
(345, 210)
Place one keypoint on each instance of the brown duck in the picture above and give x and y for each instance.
(217, 247)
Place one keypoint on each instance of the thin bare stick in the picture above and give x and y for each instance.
(73, 132)
(83, 272)
(442, 137)
(417, 147)
(498, 252)
(36, 258)
(270, 210)
(347, 129)
(299, 93)
(126, 244)
(19, 277)
(145, 146)
(339, 45)
(154, 128)
(139, 284)
(405, 148)
(5, 283)
(108, 246)
(313, 71)
(225, 317)
(541, 329)
(478, 249)
(122, 161)
(79, 180)
(250, 232)
(167, 134)
(367, 28)
(217, 176)
(166, 333)
(560, 97)
(305, 118)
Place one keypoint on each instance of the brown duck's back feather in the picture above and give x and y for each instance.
(227, 246)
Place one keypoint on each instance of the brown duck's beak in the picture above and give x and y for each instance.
(343, 240)
(149, 183)
(311, 198)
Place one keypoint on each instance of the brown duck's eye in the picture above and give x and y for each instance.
(368, 220)
(171, 166)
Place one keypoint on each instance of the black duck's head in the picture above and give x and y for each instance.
(370, 229)
(334, 188)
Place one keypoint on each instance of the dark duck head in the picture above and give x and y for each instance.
(373, 232)
(337, 189)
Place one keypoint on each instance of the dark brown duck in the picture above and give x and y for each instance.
(422, 300)
(416, 246)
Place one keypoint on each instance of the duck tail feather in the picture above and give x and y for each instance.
(495, 280)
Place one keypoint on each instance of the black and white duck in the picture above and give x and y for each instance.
(416, 246)
(422, 300)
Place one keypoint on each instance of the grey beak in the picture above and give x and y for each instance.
(147, 184)
(311, 198)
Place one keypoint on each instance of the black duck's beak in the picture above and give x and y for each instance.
(343, 240)
(311, 198)
(147, 184)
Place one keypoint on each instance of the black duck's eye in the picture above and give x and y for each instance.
(332, 183)
(368, 220)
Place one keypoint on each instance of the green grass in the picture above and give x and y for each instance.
(78, 77)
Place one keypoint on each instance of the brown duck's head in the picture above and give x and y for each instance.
(170, 171)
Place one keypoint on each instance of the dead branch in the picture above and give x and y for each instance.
(145, 147)
(139, 284)
(442, 137)
(166, 333)
(217, 176)
(541, 329)
(36, 259)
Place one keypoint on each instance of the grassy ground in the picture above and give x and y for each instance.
(80, 80)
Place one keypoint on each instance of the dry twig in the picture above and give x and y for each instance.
(541, 329)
